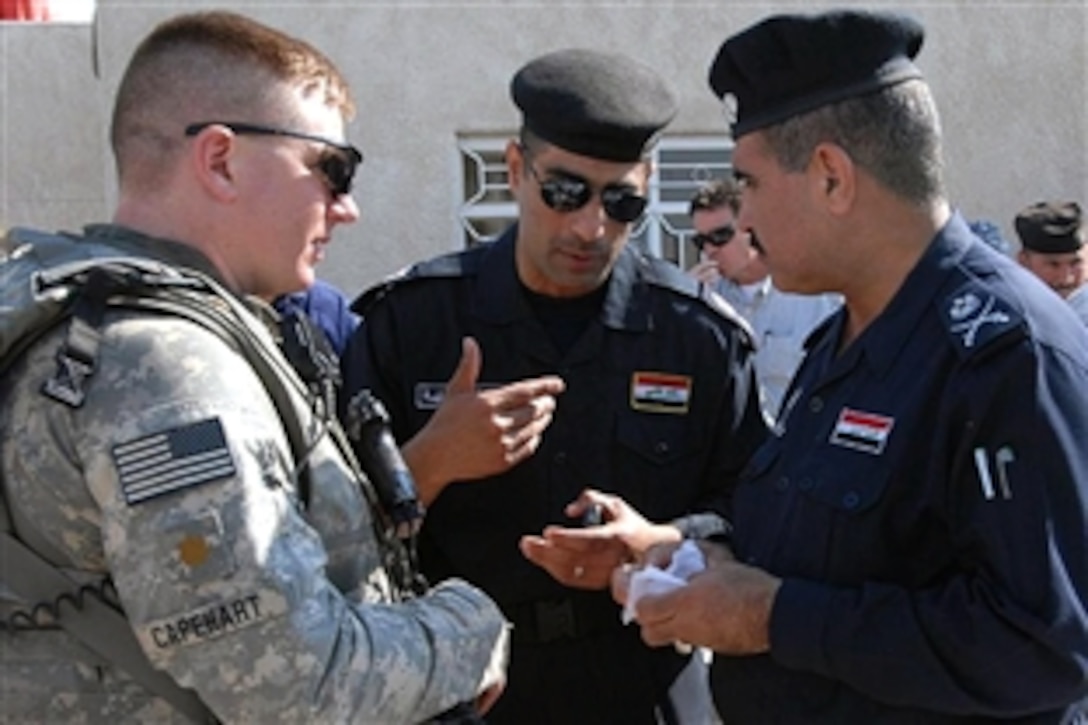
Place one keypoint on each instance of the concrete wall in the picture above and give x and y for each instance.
(1011, 80)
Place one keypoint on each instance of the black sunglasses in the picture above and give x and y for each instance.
(715, 237)
(567, 193)
(338, 168)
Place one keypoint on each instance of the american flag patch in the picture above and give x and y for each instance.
(172, 460)
(866, 432)
(660, 392)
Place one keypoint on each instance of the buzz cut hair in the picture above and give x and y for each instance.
(213, 66)
(893, 133)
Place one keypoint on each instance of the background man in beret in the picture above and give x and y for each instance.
(1052, 244)
(660, 403)
(910, 544)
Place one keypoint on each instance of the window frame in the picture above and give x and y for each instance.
(680, 163)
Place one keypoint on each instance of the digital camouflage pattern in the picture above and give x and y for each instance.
(268, 611)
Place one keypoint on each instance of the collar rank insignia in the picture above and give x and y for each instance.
(660, 392)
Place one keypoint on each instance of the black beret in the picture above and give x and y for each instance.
(603, 105)
(1051, 227)
(787, 65)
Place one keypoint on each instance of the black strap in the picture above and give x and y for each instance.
(99, 626)
(77, 356)
(312, 356)
(103, 628)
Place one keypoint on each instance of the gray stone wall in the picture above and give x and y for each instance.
(1011, 80)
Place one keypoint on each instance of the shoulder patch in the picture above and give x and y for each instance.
(172, 460)
(455, 264)
(975, 318)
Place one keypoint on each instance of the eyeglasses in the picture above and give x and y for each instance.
(566, 193)
(715, 237)
(338, 167)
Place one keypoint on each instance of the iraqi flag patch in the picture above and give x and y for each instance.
(867, 432)
(660, 392)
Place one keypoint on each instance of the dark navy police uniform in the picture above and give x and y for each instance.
(927, 506)
(660, 407)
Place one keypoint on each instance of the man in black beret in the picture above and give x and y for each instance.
(659, 413)
(1052, 244)
(910, 545)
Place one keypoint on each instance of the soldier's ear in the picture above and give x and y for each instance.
(213, 159)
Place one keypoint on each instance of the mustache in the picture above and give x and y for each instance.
(754, 241)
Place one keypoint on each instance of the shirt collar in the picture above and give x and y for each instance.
(882, 343)
(499, 299)
(175, 254)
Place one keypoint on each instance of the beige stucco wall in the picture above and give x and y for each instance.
(1011, 80)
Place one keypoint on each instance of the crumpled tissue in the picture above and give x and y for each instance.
(687, 561)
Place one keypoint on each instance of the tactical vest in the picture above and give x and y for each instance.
(47, 280)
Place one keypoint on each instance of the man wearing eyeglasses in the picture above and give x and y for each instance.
(198, 485)
(734, 267)
(659, 413)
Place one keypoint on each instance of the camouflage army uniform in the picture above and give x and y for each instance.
(268, 611)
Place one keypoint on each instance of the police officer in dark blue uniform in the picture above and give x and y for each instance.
(660, 409)
(911, 544)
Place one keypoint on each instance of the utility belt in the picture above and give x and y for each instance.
(566, 618)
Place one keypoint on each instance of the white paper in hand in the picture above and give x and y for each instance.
(687, 561)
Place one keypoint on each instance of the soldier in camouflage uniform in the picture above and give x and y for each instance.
(271, 602)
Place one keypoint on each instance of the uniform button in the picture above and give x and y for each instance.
(805, 484)
(661, 447)
(851, 500)
(782, 484)
(816, 405)
(560, 457)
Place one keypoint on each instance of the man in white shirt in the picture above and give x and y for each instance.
(732, 264)
(1079, 302)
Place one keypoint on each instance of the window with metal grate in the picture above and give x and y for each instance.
(681, 165)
